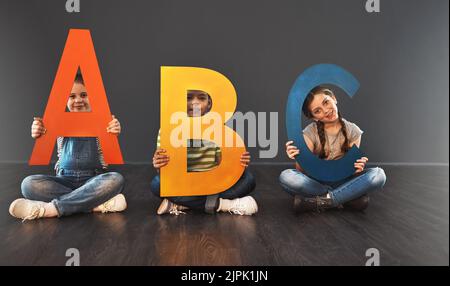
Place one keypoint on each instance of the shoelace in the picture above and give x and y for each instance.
(36, 212)
(236, 211)
(320, 204)
(175, 211)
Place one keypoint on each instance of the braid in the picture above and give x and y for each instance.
(321, 132)
(320, 125)
(345, 147)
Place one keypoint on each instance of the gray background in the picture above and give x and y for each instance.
(400, 56)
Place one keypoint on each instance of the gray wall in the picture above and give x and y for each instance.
(400, 56)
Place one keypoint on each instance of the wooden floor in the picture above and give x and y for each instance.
(408, 222)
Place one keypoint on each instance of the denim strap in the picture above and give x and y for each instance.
(78, 173)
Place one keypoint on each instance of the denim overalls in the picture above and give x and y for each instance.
(79, 157)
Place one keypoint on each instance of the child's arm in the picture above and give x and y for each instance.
(360, 164)
(245, 159)
(160, 159)
(114, 126)
(293, 151)
(357, 142)
(37, 128)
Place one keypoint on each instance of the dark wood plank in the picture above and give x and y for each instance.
(408, 222)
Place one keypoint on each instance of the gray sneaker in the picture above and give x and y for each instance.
(316, 204)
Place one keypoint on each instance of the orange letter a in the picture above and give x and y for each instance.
(78, 53)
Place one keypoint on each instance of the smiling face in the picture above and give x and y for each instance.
(198, 103)
(78, 98)
(323, 107)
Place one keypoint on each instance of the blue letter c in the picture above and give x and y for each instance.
(322, 170)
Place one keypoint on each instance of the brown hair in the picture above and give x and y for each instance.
(195, 91)
(79, 77)
(320, 125)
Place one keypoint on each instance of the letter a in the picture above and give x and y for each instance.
(78, 53)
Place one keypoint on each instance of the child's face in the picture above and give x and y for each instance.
(323, 108)
(78, 99)
(198, 103)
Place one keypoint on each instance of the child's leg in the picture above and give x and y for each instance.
(155, 186)
(244, 186)
(296, 183)
(45, 188)
(91, 194)
(369, 180)
(39, 191)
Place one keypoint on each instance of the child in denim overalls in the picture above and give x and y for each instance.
(82, 183)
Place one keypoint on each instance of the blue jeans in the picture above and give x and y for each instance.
(245, 185)
(296, 183)
(73, 194)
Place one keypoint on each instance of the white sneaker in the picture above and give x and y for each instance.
(241, 206)
(27, 209)
(167, 206)
(116, 204)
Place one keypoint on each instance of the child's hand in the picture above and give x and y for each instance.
(291, 150)
(37, 128)
(360, 164)
(160, 159)
(245, 159)
(114, 126)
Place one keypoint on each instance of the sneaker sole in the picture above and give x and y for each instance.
(256, 205)
(162, 207)
(121, 197)
(12, 206)
(253, 201)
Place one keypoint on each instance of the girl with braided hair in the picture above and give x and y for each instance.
(330, 136)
